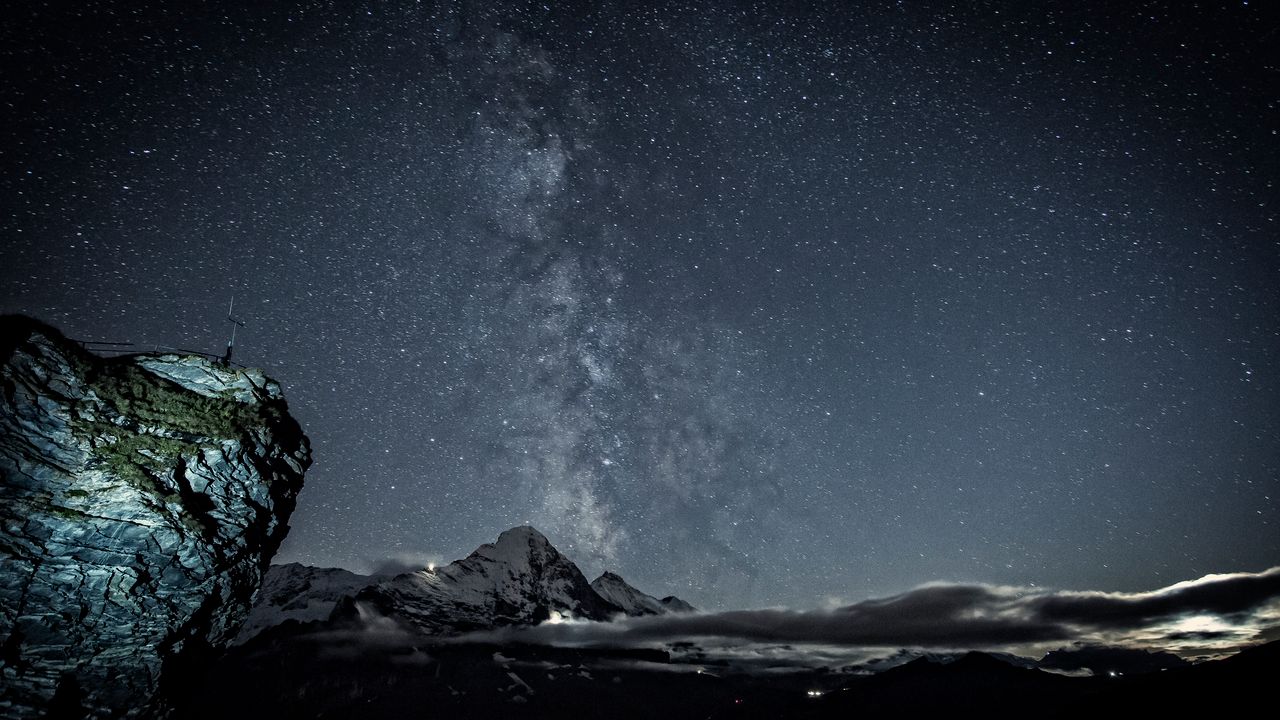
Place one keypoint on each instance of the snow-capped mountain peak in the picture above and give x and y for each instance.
(520, 579)
(518, 545)
(298, 592)
(676, 605)
(613, 588)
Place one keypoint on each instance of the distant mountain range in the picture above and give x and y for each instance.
(314, 647)
(300, 593)
(521, 579)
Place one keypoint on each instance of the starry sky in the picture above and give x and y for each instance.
(757, 304)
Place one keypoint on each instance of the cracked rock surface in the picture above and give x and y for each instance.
(141, 501)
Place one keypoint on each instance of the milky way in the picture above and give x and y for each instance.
(752, 305)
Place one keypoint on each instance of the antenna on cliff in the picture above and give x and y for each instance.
(231, 344)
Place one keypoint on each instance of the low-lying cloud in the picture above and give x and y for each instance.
(1228, 596)
(1216, 611)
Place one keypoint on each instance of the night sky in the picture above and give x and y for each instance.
(753, 305)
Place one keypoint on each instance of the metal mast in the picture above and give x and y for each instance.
(235, 323)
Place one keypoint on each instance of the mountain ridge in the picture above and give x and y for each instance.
(612, 587)
(519, 579)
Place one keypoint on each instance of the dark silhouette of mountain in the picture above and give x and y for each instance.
(975, 684)
(1223, 688)
(1111, 660)
(300, 671)
(980, 686)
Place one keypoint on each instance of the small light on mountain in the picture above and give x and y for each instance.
(556, 618)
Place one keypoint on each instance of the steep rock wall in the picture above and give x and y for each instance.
(141, 500)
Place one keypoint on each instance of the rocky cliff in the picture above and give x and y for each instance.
(141, 500)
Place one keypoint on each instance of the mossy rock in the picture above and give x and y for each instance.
(156, 421)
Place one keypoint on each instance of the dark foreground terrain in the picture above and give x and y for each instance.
(296, 672)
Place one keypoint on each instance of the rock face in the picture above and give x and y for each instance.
(519, 580)
(141, 499)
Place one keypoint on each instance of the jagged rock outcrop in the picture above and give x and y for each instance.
(613, 588)
(519, 580)
(141, 499)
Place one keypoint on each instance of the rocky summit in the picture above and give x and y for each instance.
(141, 500)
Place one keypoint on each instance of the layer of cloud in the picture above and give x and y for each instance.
(1229, 596)
(1214, 612)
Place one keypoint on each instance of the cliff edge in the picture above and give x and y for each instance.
(141, 500)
